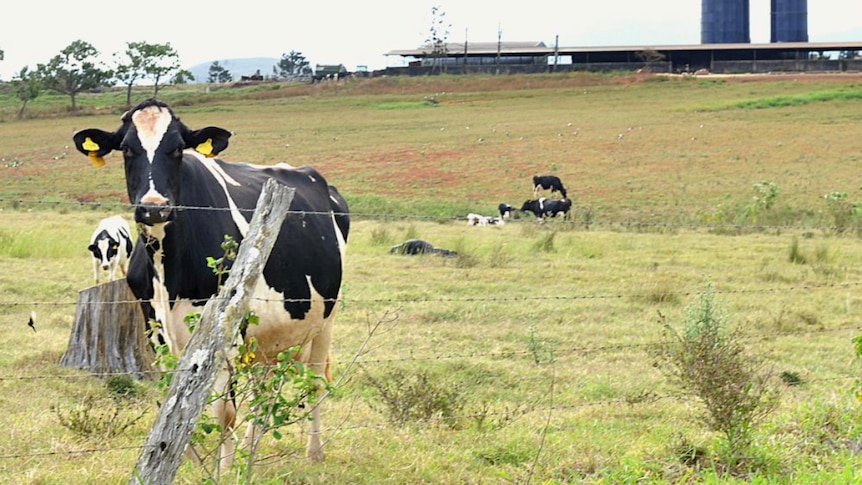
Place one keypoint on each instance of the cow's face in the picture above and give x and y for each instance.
(104, 250)
(152, 141)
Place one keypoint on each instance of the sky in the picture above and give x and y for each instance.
(361, 32)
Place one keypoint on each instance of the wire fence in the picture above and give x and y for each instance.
(643, 399)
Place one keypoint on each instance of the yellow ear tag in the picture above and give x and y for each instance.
(96, 160)
(90, 145)
(206, 148)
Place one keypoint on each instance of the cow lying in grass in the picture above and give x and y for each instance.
(420, 246)
(480, 220)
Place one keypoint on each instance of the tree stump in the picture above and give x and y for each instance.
(109, 335)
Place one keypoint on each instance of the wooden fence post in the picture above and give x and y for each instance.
(108, 335)
(191, 386)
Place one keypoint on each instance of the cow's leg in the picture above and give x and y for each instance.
(224, 410)
(318, 361)
(96, 266)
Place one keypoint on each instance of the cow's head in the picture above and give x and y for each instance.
(152, 140)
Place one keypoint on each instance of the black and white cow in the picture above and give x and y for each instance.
(544, 208)
(111, 245)
(506, 211)
(548, 182)
(186, 202)
(480, 220)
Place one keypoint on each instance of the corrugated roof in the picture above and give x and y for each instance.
(490, 48)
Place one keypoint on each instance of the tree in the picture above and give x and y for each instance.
(164, 60)
(183, 76)
(293, 66)
(218, 74)
(438, 35)
(74, 70)
(27, 87)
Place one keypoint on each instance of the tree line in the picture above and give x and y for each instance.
(78, 68)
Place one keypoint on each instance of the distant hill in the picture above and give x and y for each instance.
(237, 67)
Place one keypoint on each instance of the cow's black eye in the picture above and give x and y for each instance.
(178, 153)
(127, 152)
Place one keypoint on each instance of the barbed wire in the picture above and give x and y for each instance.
(628, 224)
(497, 354)
(458, 299)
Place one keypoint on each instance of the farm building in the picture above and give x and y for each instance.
(534, 57)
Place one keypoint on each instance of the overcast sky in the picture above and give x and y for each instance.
(362, 32)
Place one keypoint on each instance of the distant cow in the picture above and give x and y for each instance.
(544, 208)
(506, 211)
(480, 220)
(419, 246)
(111, 245)
(548, 182)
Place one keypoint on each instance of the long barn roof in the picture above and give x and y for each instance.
(539, 48)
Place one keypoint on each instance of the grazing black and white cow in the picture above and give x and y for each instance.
(544, 208)
(548, 182)
(186, 202)
(111, 245)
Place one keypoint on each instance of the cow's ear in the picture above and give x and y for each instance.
(209, 141)
(95, 144)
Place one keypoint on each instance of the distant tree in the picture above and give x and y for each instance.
(74, 70)
(218, 74)
(438, 36)
(27, 87)
(649, 57)
(293, 66)
(165, 61)
(183, 76)
(142, 60)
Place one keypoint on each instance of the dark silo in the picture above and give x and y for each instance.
(724, 22)
(789, 20)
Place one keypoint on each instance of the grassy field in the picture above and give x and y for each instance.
(533, 348)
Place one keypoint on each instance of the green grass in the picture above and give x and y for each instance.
(543, 330)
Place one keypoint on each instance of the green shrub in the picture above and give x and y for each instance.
(707, 360)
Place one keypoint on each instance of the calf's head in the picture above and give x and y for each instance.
(152, 141)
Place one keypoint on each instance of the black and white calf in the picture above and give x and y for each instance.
(111, 245)
(506, 211)
(548, 182)
(480, 220)
(186, 202)
(544, 208)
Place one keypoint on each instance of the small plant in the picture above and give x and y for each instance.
(794, 255)
(545, 244)
(707, 360)
(405, 396)
(380, 236)
(541, 351)
(765, 196)
(841, 209)
(97, 417)
(122, 386)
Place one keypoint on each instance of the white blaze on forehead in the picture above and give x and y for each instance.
(152, 123)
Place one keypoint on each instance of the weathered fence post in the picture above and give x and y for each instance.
(108, 335)
(191, 386)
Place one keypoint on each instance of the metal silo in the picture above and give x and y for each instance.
(789, 20)
(724, 22)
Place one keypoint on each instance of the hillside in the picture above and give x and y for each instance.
(238, 67)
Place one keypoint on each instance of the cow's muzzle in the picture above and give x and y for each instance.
(150, 214)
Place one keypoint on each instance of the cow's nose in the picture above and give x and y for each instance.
(150, 214)
(106, 266)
